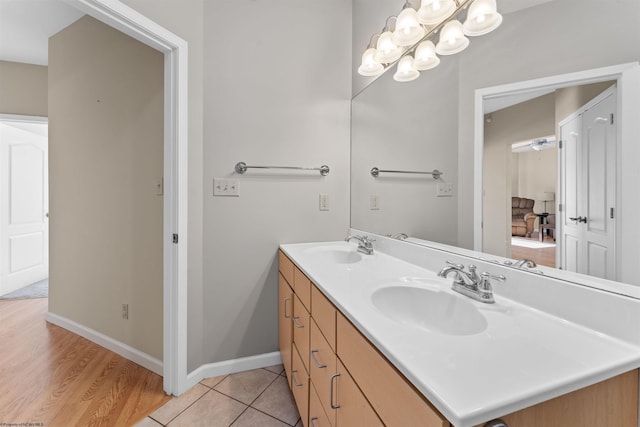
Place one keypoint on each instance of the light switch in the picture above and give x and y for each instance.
(444, 189)
(374, 202)
(225, 187)
(324, 202)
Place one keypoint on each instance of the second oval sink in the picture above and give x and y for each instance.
(428, 309)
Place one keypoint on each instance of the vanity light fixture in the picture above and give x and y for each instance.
(410, 43)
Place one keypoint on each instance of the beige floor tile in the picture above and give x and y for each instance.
(246, 386)
(253, 418)
(278, 402)
(174, 407)
(148, 422)
(213, 381)
(276, 369)
(212, 410)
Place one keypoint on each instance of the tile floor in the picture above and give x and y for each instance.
(260, 397)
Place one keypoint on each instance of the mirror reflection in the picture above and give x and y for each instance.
(431, 123)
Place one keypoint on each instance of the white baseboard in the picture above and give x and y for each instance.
(124, 350)
(232, 366)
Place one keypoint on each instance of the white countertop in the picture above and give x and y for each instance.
(523, 356)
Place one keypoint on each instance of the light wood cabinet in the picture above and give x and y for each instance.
(300, 385)
(395, 400)
(354, 408)
(301, 329)
(285, 324)
(339, 379)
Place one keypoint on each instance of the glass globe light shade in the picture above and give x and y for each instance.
(386, 50)
(452, 39)
(369, 67)
(408, 30)
(405, 71)
(425, 56)
(433, 12)
(482, 18)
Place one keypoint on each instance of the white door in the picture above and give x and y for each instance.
(24, 234)
(588, 189)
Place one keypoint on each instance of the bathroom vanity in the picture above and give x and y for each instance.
(380, 339)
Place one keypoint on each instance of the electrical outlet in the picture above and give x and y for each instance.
(225, 187)
(374, 202)
(444, 189)
(324, 202)
(125, 311)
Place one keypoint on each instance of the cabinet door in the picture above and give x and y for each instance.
(300, 386)
(301, 329)
(354, 408)
(285, 325)
(396, 400)
(302, 287)
(322, 366)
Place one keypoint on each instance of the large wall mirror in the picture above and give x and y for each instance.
(491, 120)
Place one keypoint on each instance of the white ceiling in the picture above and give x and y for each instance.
(26, 25)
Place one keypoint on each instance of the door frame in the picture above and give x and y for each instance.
(627, 77)
(175, 50)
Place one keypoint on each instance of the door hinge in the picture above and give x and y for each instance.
(175, 238)
(611, 118)
(560, 144)
(611, 213)
(560, 207)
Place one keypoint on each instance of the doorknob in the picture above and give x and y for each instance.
(579, 219)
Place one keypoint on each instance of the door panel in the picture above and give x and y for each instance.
(24, 234)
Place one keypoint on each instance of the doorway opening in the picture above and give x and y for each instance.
(24, 234)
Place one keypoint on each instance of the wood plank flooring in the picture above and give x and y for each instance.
(53, 377)
(542, 256)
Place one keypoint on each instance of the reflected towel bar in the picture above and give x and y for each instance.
(241, 167)
(435, 173)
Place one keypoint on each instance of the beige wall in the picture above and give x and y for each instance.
(528, 120)
(23, 89)
(185, 19)
(570, 99)
(106, 151)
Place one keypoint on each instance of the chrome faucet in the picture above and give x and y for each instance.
(525, 262)
(469, 283)
(365, 244)
(399, 236)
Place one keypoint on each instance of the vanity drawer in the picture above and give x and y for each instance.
(397, 402)
(285, 324)
(302, 287)
(322, 365)
(324, 313)
(317, 416)
(301, 329)
(300, 385)
(286, 267)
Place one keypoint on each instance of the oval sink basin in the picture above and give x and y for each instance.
(339, 255)
(428, 309)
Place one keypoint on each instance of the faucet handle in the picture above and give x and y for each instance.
(458, 266)
(485, 281)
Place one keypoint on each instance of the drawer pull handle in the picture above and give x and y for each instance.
(318, 364)
(311, 421)
(285, 308)
(296, 323)
(293, 378)
(331, 382)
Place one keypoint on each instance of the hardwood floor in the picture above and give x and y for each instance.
(542, 256)
(52, 377)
